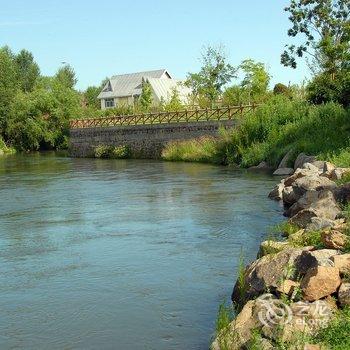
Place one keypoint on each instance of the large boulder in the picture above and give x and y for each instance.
(344, 294)
(277, 192)
(312, 183)
(320, 204)
(310, 259)
(320, 282)
(342, 193)
(318, 224)
(334, 239)
(302, 158)
(272, 247)
(299, 173)
(266, 273)
(342, 262)
(299, 318)
(239, 331)
(288, 195)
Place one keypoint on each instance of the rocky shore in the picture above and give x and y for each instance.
(299, 282)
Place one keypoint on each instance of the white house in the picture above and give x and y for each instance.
(125, 89)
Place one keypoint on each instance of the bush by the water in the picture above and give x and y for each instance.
(112, 152)
(280, 126)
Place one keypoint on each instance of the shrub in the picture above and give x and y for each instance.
(112, 152)
(281, 89)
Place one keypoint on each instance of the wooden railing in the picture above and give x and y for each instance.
(185, 116)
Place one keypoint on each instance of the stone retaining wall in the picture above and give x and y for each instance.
(145, 141)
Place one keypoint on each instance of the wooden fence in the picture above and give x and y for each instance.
(186, 116)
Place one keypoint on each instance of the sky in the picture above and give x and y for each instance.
(103, 38)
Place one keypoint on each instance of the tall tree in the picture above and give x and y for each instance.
(256, 78)
(146, 96)
(66, 76)
(214, 74)
(8, 84)
(323, 27)
(28, 70)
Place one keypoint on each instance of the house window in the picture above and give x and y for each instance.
(109, 102)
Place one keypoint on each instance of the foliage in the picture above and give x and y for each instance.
(278, 126)
(336, 334)
(325, 30)
(4, 149)
(214, 74)
(27, 70)
(340, 157)
(224, 317)
(8, 84)
(281, 89)
(90, 96)
(174, 103)
(204, 149)
(146, 99)
(112, 152)
(256, 79)
(66, 76)
(322, 89)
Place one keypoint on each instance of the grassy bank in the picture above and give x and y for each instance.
(274, 129)
(4, 149)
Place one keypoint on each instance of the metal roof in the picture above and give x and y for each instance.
(129, 84)
(163, 88)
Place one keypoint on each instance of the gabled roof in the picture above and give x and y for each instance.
(129, 84)
(163, 88)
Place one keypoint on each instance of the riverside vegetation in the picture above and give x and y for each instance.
(296, 295)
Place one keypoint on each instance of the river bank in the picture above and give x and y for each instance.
(296, 294)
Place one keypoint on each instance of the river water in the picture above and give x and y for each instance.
(112, 254)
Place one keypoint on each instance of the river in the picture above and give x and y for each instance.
(114, 254)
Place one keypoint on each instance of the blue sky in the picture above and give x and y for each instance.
(102, 38)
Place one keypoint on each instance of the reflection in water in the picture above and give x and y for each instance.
(103, 254)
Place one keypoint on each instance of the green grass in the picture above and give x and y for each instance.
(224, 317)
(205, 150)
(273, 129)
(285, 228)
(336, 335)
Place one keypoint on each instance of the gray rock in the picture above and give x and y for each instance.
(309, 183)
(318, 224)
(310, 259)
(312, 204)
(344, 294)
(266, 273)
(288, 195)
(285, 160)
(303, 158)
(276, 193)
(311, 167)
(283, 171)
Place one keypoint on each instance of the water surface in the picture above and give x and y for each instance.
(108, 254)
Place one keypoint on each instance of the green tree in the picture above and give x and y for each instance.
(8, 85)
(27, 69)
(324, 30)
(146, 99)
(256, 79)
(66, 76)
(174, 103)
(214, 74)
(90, 96)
